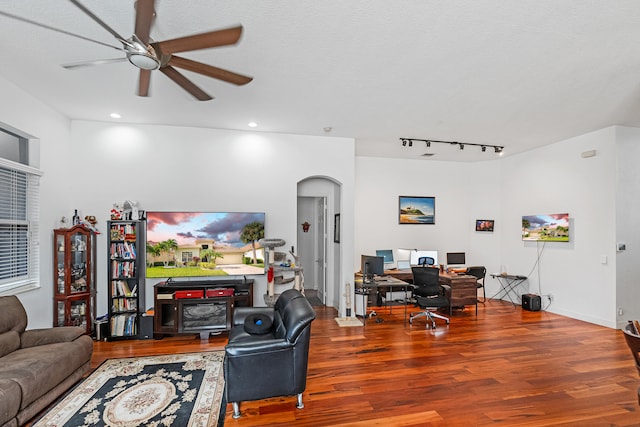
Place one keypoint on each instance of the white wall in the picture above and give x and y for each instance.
(556, 179)
(627, 229)
(464, 192)
(21, 111)
(195, 169)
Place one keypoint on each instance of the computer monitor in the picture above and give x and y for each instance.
(371, 266)
(416, 255)
(387, 254)
(404, 254)
(456, 258)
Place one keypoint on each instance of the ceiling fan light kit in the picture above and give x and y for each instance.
(499, 149)
(149, 56)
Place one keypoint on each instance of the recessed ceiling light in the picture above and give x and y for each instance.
(115, 115)
(253, 124)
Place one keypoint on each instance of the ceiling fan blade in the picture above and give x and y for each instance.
(144, 17)
(99, 21)
(91, 63)
(185, 83)
(210, 71)
(201, 41)
(28, 21)
(143, 82)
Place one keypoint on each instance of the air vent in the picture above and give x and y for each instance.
(428, 154)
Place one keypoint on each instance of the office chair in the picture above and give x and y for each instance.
(633, 342)
(429, 294)
(426, 260)
(479, 272)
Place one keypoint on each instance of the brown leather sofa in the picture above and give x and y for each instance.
(38, 365)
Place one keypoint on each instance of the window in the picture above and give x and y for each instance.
(19, 219)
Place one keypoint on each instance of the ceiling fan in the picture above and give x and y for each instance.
(149, 55)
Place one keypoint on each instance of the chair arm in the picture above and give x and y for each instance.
(36, 337)
(256, 347)
(241, 313)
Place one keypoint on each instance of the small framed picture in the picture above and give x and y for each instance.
(484, 225)
(416, 210)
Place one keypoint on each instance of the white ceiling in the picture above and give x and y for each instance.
(520, 73)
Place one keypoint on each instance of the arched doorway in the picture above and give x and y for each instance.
(319, 247)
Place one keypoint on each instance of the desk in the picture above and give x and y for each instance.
(404, 275)
(461, 289)
(508, 284)
(378, 284)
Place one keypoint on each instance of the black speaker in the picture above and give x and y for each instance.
(146, 328)
(531, 302)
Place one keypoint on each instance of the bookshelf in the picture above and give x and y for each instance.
(125, 277)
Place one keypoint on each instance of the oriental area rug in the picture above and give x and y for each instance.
(184, 389)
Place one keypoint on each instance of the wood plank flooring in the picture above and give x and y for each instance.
(505, 367)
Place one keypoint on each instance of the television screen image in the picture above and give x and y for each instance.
(196, 244)
(547, 228)
(484, 224)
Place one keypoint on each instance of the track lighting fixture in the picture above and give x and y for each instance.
(497, 148)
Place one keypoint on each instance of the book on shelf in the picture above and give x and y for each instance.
(123, 325)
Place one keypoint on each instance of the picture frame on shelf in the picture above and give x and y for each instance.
(416, 210)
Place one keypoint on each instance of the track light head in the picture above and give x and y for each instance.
(484, 148)
(428, 144)
(404, 142)
(410, 143)
(461, 146)
(498, 150)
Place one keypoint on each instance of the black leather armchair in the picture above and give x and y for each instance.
(273, 363)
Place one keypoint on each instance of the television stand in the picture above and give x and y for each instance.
(202, 307)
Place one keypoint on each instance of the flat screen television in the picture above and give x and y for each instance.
(547, 228)
(371, 266)
(197, 244)
(484, 224)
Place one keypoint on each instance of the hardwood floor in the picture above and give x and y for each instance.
(507, 367)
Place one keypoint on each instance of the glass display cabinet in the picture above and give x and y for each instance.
(74, 277)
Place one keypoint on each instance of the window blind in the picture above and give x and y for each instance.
(19, 227)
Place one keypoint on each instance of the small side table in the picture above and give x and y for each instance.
(508, 284)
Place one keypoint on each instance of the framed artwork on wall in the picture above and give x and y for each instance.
(484, 225)
(416, 210)
(336, 228)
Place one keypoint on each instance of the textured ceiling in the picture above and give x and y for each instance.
(516, 73)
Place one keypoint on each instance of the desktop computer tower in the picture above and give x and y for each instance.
(531, 302)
